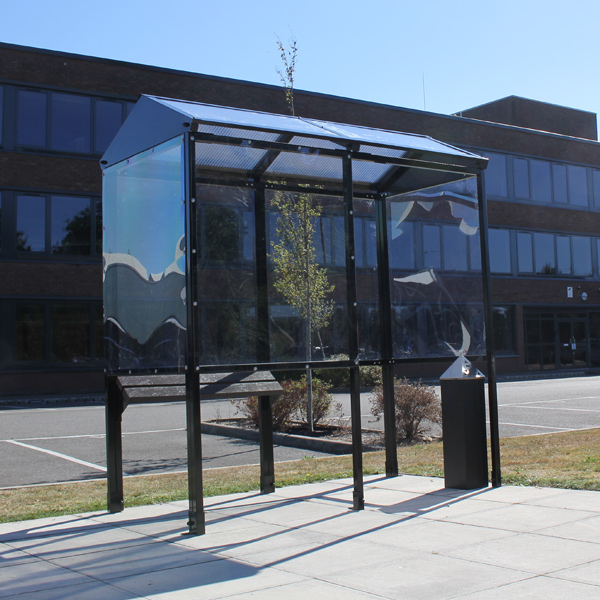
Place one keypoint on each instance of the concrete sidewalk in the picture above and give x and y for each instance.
(414, 540)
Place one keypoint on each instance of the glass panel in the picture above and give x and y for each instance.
(31, 118)
(98, 227)
(532, 330)
(495, 176)
(144, 260)
(503, 319)
(475, 252)
(455, 249)
(524, 252)
(499, 243)
(434, 313)
(1, 111)
(226, 279)
(31, 223)
(541, 181)
(71, 329)
(521, 176)
(307, 310)
(582, 256)
(596, 184)
(545, 262)
(563, 254)
(559, 183)
(99, 326)
(109, 117)
(70, 227)
(70, 123)
(578, 192)
(367, 285)
(401, 238)
(0, 221)
(432, 256)
(30, 338)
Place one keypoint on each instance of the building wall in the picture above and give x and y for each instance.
(72, 283)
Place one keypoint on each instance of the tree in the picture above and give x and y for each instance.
(299, 278)
(288, 58)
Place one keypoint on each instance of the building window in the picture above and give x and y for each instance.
(499, 244)
(521, 178)
(67, 225)
(545, 260)
(432, 254)
(59, 332)
(524, 253)
(577, 185)
(495, 175)
(71, 123)
(455, 248)
(582, 256)
(541, 181)
(503, 322)
(559, 183)
(563, 254)
(1, 111)
(401, 240)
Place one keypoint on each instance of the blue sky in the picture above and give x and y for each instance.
(440, 55)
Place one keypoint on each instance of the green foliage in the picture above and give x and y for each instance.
(291, 405)
(288, 58)
(416, 405)
(299, 278)
(370, 376)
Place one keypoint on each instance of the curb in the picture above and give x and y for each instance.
(285, 439)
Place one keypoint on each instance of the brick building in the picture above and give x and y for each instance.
(58, 113)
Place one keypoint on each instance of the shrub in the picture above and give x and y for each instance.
(291, 405)
(416, 404)
(340, 378)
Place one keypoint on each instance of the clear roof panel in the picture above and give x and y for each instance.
(231, 157)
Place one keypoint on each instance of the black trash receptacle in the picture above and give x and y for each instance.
(463, 424)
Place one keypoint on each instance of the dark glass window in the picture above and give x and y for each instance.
(70, 225)
(499, 244)
(30, 339)
(495, 176)
(474, 252)
(31, 223)
(541, 181)
(71, 329)
(402, 245)
(0, 221)
(98, 227)
(70, 120)
(563, 254)
(455, 249)
(521, 177)
(582, 256)
(578, 192)
(559, 183)
(432, 256)
(503, 321)
(545, 261)
(596, 184)
(524, 253)
(31, 118)
(1, 111)
(109, 116)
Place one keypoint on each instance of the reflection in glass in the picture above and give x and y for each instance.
(31, 224)
(541, 181)
(70, 226)
(495, 175)
(70, 124)
(499, 245)
(563, 254)
(524, 252)
(559, 183)
(31, 118)
(107, 122)
(596, 184)
(582, 256)
(578, 192)
(144, 260)
(455, 249)
(521, 177)
(402, 244)
(30, 340)
(545, 262)
(431, 246)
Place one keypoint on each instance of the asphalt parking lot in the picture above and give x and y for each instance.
(49, 443)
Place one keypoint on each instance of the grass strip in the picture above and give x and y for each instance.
(564, 460)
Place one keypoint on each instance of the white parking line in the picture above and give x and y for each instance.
(60, 455)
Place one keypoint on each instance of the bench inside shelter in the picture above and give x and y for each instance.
(127, 389)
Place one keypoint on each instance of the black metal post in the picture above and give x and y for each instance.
(489, 334)
(385, 332)
(114, 445)
(196, 521)
(263, 353)
(355, 410)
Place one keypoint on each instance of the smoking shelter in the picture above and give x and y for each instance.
(203, 207)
